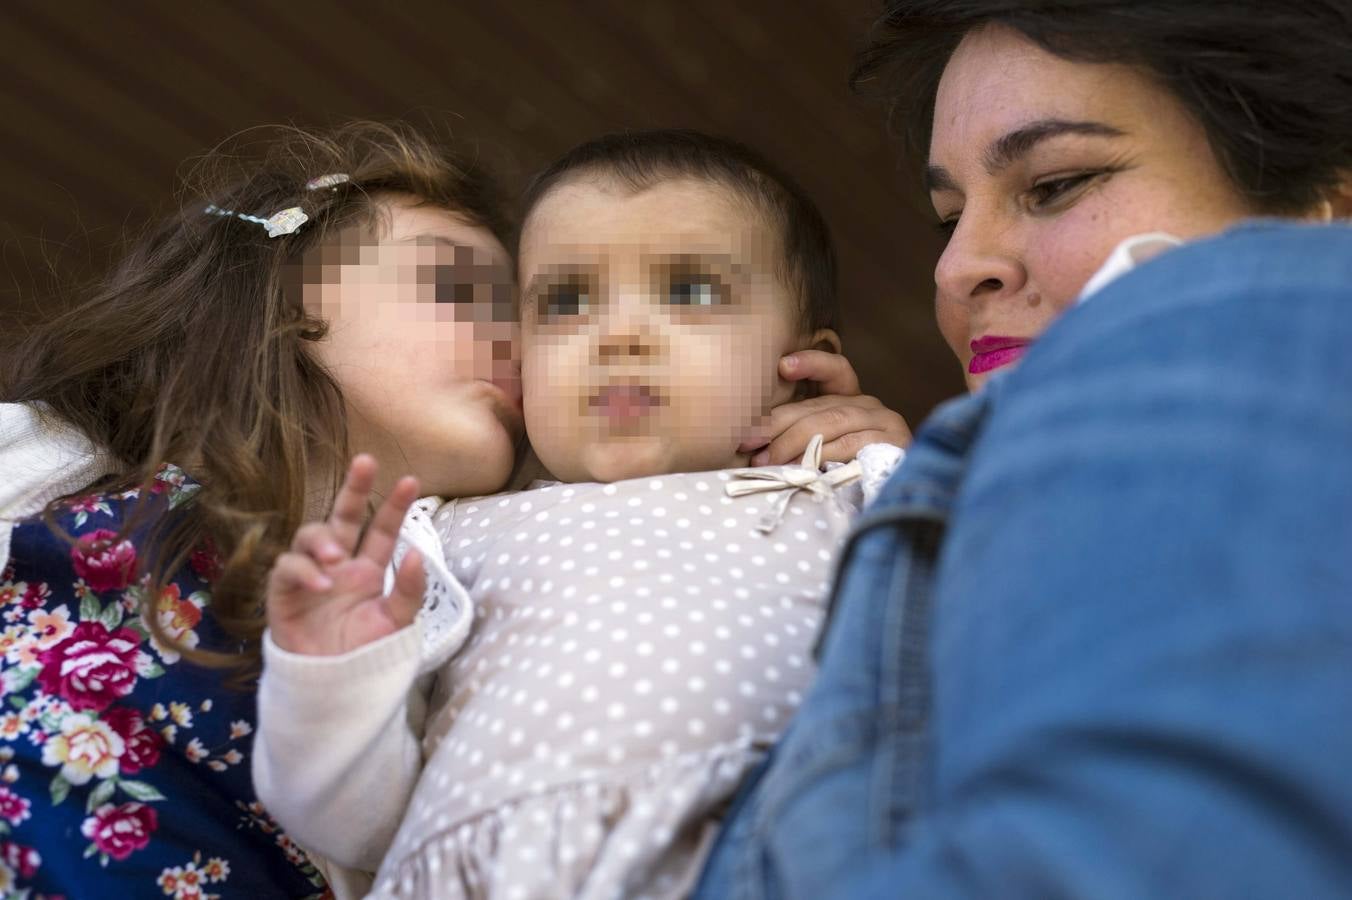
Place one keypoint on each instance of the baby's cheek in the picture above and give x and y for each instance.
(750, 366)
(735, 403)
(548, 415)
(547, 421)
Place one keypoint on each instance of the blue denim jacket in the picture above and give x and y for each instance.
(1094, 639)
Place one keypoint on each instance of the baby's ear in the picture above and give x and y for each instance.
(824, 339)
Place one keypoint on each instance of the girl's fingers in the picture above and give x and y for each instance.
(831, 371)
(349, 507)
(295, 573)
(409, 584)
(378, 544)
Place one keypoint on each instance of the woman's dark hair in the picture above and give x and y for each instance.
(196, 350)
(641, 159)
(1269, 80)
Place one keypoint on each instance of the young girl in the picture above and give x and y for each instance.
(245, 341)
(639, 636)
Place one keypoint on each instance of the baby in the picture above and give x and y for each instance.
(600, 660)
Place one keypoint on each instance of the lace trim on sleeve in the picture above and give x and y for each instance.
(447, 610)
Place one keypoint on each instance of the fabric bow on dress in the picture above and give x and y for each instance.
(805, 476)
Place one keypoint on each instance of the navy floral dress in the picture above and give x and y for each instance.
(124, 769)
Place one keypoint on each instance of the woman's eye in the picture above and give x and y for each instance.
(569, 298)
(946, 227)
(698, 290)
(1048, 192)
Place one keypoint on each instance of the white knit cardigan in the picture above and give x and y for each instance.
(41, 458)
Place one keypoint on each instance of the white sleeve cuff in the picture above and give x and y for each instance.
(878, 462)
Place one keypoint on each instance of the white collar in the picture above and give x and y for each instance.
(1127, 255)
(41, 459)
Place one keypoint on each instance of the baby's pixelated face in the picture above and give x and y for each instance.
(652, 327)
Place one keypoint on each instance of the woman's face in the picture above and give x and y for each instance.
(423, 343)
(1038, 168)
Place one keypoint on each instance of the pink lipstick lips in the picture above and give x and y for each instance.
(993, 351)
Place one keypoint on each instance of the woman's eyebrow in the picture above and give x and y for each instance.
(938, 179)
(1010, 147)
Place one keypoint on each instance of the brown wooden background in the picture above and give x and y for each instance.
(100, 104)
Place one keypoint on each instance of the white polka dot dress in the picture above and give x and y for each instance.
(636, 649)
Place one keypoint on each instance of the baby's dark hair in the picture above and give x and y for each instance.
(642, 159)
(1269, 80)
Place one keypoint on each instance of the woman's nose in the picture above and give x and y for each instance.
(980, 261)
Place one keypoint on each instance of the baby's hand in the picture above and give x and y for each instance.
(324, 596)
(846, 419)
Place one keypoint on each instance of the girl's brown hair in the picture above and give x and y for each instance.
(196, 350)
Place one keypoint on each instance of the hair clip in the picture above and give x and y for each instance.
(327, 181)
(286, 221)
(289, 220)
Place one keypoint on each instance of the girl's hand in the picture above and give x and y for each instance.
(846, 419)
(324, 596)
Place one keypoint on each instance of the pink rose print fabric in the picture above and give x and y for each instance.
(124, 768)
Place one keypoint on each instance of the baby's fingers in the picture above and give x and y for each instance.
(407, 596)
(318, 541)
(378, 545)
(349, 507)
(295, 573)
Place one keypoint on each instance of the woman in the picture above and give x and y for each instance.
(256, 345)
(1094, 639)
